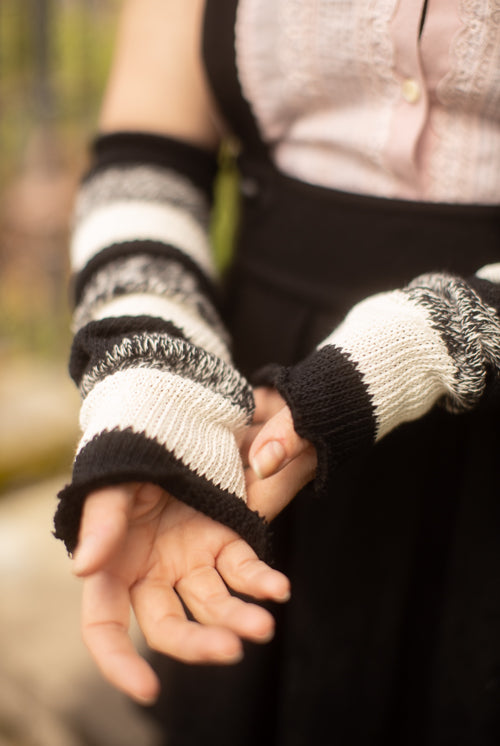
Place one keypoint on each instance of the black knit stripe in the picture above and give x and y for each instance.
(143, 274)
(488, 291)
(469, 329)
(144, 183)
(124, 148)
(124, 456)
(330, 404)
(105, 347)
(142, 247)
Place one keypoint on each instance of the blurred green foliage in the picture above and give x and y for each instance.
(54, 58)
(226, 207)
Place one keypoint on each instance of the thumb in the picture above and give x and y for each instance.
(103, 527)
(276, 445)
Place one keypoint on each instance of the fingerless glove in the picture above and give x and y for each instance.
(162, 401)
(392, 359)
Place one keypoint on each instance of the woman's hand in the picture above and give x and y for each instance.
(278, 462)
(139, 546)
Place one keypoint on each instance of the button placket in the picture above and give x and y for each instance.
(411, 102)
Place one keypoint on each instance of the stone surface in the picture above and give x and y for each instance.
(50, 692)
(38, 418)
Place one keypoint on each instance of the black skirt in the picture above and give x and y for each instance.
(392, 635)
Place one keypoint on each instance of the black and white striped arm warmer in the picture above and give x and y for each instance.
(162, 402)
(391, 360)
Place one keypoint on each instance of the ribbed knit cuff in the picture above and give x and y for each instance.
(118, 457)
(122, 148)
(329, 403)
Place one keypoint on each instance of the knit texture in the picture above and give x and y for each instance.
(391, 360)
(162, 402)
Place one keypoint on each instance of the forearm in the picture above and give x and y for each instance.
(161, 400)
(393, 358)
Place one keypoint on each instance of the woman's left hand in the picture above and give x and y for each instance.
(278, 463)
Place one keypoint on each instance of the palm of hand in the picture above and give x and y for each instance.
(155, 552)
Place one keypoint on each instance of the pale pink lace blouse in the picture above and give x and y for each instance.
(350, 97)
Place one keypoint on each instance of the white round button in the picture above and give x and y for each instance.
(410, 90)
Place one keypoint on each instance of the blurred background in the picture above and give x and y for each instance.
(54, 58)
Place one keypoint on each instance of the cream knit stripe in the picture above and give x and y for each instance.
(125, 221)
(195, 329)
(146, 182)
(194, 423)
(401, 358)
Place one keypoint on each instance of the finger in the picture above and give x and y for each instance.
(103, 527)
(105, 619)
(207, 597)
(163, 622)
(276, 445)
(269, 496)
(245, 573)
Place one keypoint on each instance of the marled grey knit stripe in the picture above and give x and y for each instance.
(164, 277)
(148, 183)
(469, 328)
(177, 356)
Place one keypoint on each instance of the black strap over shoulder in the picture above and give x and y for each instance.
(218, 51)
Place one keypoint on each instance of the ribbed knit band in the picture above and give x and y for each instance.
(391, 360)
(122, 148)
(330, 405)
(118, 457)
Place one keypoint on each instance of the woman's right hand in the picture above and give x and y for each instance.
(141, 547)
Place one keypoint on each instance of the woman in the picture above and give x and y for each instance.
(368, 134)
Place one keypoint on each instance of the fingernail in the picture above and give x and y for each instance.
(267, 637)
(145, 701)
(84, 553)
(236, 657)
(284, 597)
(268, 459)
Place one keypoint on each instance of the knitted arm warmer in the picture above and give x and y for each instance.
(393, 357)
(162, 402)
